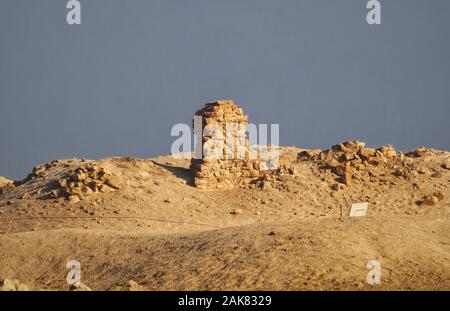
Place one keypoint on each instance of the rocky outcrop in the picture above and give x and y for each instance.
(351, 161)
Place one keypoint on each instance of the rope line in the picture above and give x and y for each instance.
(106, 217)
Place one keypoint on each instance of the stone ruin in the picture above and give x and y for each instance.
(74, 185)
(224, 160)
(83, 181)
(352, 161)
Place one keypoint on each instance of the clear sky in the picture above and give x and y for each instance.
(116, 84)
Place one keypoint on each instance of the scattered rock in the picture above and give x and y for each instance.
(337, 186)
(388, 151)
(351, 161)
(236, 212)
(84, 181)
(422, 151)
(433, 199)
(38, 171)
(307, 154)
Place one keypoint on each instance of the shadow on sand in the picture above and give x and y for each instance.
(179, 172)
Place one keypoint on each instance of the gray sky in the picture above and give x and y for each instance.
(116, 84)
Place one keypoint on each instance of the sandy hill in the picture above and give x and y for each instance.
(142, 220)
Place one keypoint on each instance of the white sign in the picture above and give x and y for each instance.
(358, 209)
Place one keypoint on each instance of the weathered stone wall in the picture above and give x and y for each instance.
(223, 164)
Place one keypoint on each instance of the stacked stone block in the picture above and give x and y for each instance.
(224, 161)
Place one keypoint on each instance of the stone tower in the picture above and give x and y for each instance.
(222, 160)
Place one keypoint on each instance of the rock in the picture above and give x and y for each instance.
(12, 285)
(135, 287)
(168, 200)
(346, 179)
(348, 146)
(388, 151)
(236, 212)
(333, 165)
(352, 162)
(272, 233)
(433, 199)
(366, 153)
(81, 176)
(114, 182)
(7, 285)
(421, 152)
(439, 195)
(4, 181)
(353, 145)
(80, 288)
(430, 200)
(105, 188)
(39, 170)
(436, 175)
(339, 170)
(337, 186)
(74, 199)
(54, 194)
(84, 181)
(307, 154)
(446, 165)
(6, 185)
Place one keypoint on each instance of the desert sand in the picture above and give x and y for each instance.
(142, 224)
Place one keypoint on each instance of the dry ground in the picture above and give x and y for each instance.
(165, 234)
